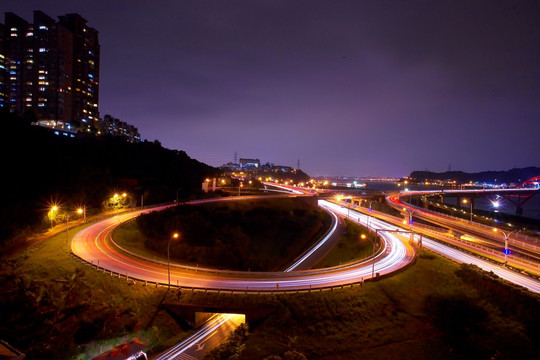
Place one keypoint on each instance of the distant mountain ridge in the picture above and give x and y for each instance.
(516, 175)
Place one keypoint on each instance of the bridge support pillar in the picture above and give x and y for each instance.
(518, 201)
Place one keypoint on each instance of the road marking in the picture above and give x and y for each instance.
(200, 345)
(183, 356)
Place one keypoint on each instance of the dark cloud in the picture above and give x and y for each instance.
(349, 87)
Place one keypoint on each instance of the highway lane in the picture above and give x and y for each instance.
(462, 257)
(211, 334)
(455, 254)
(309, 258)
(393, 255)
(93, 244)
(523, 246)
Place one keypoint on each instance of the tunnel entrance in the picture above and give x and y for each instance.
(190, 316)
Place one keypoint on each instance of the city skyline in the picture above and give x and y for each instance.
(348, 88)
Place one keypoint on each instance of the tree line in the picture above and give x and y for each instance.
(41, 168)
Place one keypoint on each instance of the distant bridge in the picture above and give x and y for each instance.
(532, 182)
(518, 196)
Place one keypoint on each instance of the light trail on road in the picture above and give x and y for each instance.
(318, 245)
(452, 253)
(463, 257)
(200, 338)
(93, 244)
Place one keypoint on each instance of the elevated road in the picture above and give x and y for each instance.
(528, 247)
(94, 244)
(376, 220)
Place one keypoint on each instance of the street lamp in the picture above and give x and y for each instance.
(410, 221)
(174, 236)
(369, 212)
(363, 236)
(52, 214)
(506, 236)
(67, 228)
(82, 211)
(239, 187)
(466, 201)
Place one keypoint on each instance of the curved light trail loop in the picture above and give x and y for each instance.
(93, 244)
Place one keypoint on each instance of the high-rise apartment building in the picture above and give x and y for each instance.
(51, 68)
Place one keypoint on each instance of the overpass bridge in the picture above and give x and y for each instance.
(518, 197)
(194, 315)
(527, 246)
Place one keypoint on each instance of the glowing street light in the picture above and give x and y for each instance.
(174, 236)
(118, 200)
(467, 201)
(240, 186)
(52, 214)
(82, 211)
(506, 236)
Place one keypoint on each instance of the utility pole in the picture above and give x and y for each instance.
(67, 229)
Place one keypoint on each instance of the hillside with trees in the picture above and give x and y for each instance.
(40, 168)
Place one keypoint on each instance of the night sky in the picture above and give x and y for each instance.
(356, 88)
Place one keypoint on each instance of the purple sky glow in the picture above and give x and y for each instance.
(355, 88)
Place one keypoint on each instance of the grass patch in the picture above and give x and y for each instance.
(259, 235)
(350, 247)
(54, 307)
(434, 310)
